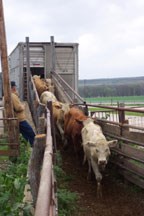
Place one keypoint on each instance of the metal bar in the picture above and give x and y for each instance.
(119, 124)
(117, 108)
(28, 66)
(68, 86)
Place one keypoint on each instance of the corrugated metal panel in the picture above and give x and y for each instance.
(64, 60)
(37, 57)
(14, 59)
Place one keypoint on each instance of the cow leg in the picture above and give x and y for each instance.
(99, 190)
(89, 170)
(60, 130)
(98, 176)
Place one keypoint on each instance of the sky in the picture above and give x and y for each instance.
(110, 33)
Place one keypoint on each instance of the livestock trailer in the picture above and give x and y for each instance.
(44, 57)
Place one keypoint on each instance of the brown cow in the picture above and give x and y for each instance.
(72, 128)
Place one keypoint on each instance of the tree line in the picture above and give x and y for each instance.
(134, 89)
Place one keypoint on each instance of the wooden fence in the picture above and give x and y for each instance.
(41, 174)
(8, 146)
(129, 154)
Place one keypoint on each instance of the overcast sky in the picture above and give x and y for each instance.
(110, 33)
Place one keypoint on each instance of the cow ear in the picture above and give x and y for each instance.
(112, 143)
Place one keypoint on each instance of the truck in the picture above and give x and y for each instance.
(42, 58)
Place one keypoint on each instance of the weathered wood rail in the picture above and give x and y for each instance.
(129, 154)
(41, 174)
(8, 147)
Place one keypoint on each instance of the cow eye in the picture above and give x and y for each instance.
(106, 150)
(97, 150)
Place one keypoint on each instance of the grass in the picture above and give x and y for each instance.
(12, 182)
(66, 198)
(111, 100)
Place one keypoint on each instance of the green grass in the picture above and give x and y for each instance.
(134, 114)
(12, 183)
(66, 199)
(111, 100)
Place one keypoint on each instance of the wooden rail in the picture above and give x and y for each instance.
(129, 154)
(41, 175)
(46, 204)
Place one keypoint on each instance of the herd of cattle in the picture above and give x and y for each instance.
(78, 130)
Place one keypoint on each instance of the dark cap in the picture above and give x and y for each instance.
(13, 83)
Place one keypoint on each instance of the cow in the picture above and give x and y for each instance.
(96, 149)
(49, 84)
(59, 110)
(47, 96)
(84, 133)
(40, 85)
(72, 128)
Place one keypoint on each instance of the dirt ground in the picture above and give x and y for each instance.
(119, 198)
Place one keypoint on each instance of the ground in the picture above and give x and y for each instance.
(119, 198)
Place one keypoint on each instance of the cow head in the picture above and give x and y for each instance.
(100, 151)
(65, 108)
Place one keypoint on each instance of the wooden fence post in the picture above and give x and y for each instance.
(35, 164)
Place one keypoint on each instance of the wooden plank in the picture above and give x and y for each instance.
(112, 129)
(133, 178)
(13, 152)
(132, 165)
(132, 151)
(136, 136)
(129, 165)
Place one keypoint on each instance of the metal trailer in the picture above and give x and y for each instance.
(44, 57)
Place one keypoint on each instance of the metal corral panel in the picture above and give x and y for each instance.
(37, 56)
(16, 67)
(64, 60)
(66, 63)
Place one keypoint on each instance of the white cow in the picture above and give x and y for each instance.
(47, 96)
(96, 149)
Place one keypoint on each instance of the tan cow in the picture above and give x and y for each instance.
(96, 149)
(40, 85)
(59, 110)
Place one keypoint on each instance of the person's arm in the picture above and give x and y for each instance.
(17, 105)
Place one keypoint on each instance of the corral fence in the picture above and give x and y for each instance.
(41, 174)
(9, 142)
(126, 125)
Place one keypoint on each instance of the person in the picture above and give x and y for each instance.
(19, 110)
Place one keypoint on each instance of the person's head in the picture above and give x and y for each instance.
(13, 85)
